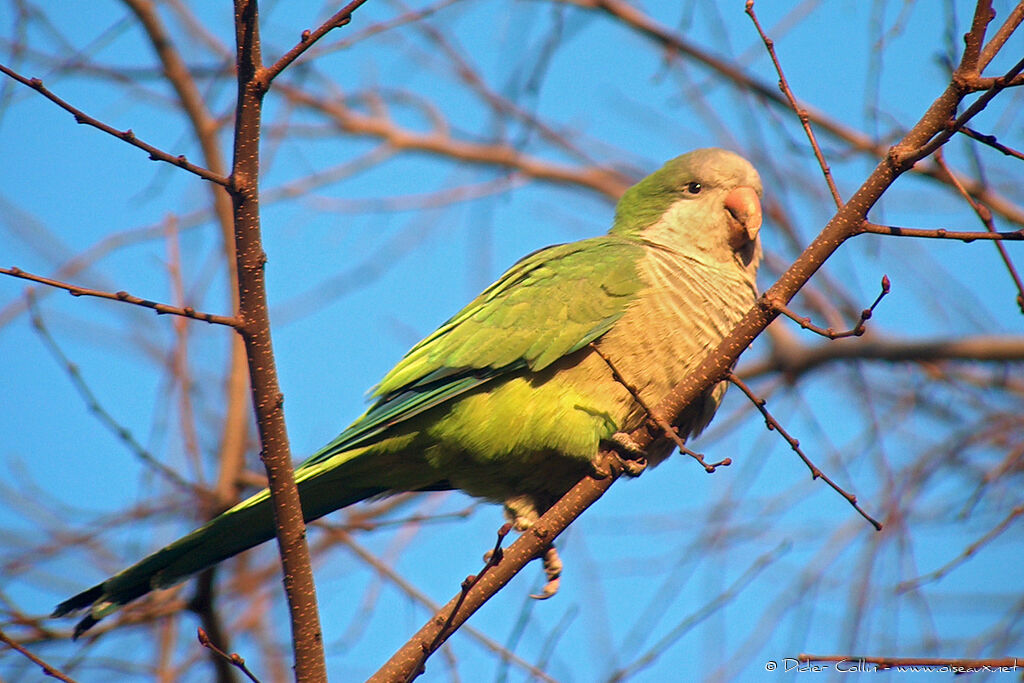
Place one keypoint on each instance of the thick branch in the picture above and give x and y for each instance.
(268, 401)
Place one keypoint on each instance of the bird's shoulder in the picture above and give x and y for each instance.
(548, 304)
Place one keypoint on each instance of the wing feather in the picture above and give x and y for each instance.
(551, 303)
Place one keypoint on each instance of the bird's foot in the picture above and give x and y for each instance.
(522, 512)
(553, 571)
(625, 456)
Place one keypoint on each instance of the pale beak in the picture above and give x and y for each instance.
(744, 206)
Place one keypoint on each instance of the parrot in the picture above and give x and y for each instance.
(512, 398)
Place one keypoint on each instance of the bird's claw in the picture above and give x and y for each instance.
(553, 571)
(625, 455)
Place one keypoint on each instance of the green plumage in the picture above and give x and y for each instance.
(507, 400)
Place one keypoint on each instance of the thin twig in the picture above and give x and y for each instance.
(161, 309)
(939, 233)
(308, 39)
(992, 142)
(155, 153)
(387, 570)
(952, 126)
(713, 606)
(805, 322)
(630, 16)
(47, 669)
(816, 473)
(660, 422)
(493, 558)
(801, 113)
(965, 555)
(985, 216)
(94, 406)
(234, 658)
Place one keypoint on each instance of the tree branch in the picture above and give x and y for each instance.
(268, 401)
(160, 308)
(155, 153)
(308, 39)
(794, 362)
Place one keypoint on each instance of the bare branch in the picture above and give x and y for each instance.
(992, 142)
(858, 329)
(234, 659)
(793, 362)
(968, 552)
(985, 216)
(105, 418)
(816, 473)
(128, 136)
(161, 309)
(800, 111)
(308, 39)
(605, 181)
(268, 401)
(47, 669)
(646, 26)
(661, 423)
(938, 233)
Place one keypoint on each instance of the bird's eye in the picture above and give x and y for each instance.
(693, 187)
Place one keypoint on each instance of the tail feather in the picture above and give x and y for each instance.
(330, 480)
(246, 525)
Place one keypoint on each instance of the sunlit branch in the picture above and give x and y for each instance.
(308, 39)
(816, 473)
(155, 153)
(939, 233)
(49, 670)
(660, 422)
(985, 216)
(805, 322)
(234, 658)
(634, 18)
(805, 119)
(991, 141)
(160, 308)
(798, 360)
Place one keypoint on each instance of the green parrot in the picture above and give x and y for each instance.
(511, 398)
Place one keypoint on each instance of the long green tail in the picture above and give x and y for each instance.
(246, 525)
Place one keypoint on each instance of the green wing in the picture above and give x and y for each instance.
(549, 304)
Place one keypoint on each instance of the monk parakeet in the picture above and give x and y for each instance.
(510, 399)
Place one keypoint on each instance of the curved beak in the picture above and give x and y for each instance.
(744, 207)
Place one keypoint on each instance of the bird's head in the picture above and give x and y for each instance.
(705, 204)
